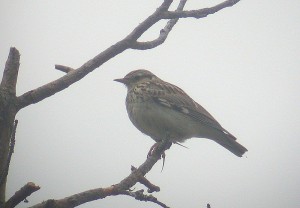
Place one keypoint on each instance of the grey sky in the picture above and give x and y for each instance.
(242, 64)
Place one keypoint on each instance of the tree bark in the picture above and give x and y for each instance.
(8, 112)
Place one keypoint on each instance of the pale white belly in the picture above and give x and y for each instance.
(159, 122)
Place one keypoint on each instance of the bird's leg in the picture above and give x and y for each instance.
(167, 145)
(154, 147)
(163, 155)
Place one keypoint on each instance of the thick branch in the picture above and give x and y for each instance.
(200, 13)
(130, 41)
(62, 83)
(21, 195)
(117, 189)
(71, 77)
(7, 113)
(10, 152)
(10, 73)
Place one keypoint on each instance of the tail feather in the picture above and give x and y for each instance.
(228, 141)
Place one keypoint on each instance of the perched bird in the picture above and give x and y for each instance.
(160, 109)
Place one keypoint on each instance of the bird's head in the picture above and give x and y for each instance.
(135, 77)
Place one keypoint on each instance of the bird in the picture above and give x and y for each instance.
(162, 110)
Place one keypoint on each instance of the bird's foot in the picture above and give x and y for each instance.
(163, 156)
(153, 149)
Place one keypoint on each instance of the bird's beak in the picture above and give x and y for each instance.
(122, 80)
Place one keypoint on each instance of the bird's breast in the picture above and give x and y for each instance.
(159, 122)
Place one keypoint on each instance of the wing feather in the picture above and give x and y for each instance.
(171, 96)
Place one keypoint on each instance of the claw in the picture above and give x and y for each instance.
(163, 156)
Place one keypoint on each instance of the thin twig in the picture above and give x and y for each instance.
(141, 179)
(139, 195)
(199, 13)
(62, 68)
(163, 33)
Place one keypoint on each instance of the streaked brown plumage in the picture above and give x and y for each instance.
(159, 109)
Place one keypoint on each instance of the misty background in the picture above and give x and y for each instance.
(242, 64)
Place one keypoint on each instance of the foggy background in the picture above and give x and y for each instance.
(241, 64)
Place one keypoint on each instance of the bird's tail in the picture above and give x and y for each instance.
(227, 140)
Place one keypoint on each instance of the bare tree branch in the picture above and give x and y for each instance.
(151, 20)
(141, 179)
(128, 42)
(62, 68)
(62, 83)
(139, 195)
(21, 195)
(117, 189)
(7, 113)
(200, 13)
(163, 33)
(10, 73)
(10, 152)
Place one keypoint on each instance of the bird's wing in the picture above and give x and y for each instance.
(173, 97)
